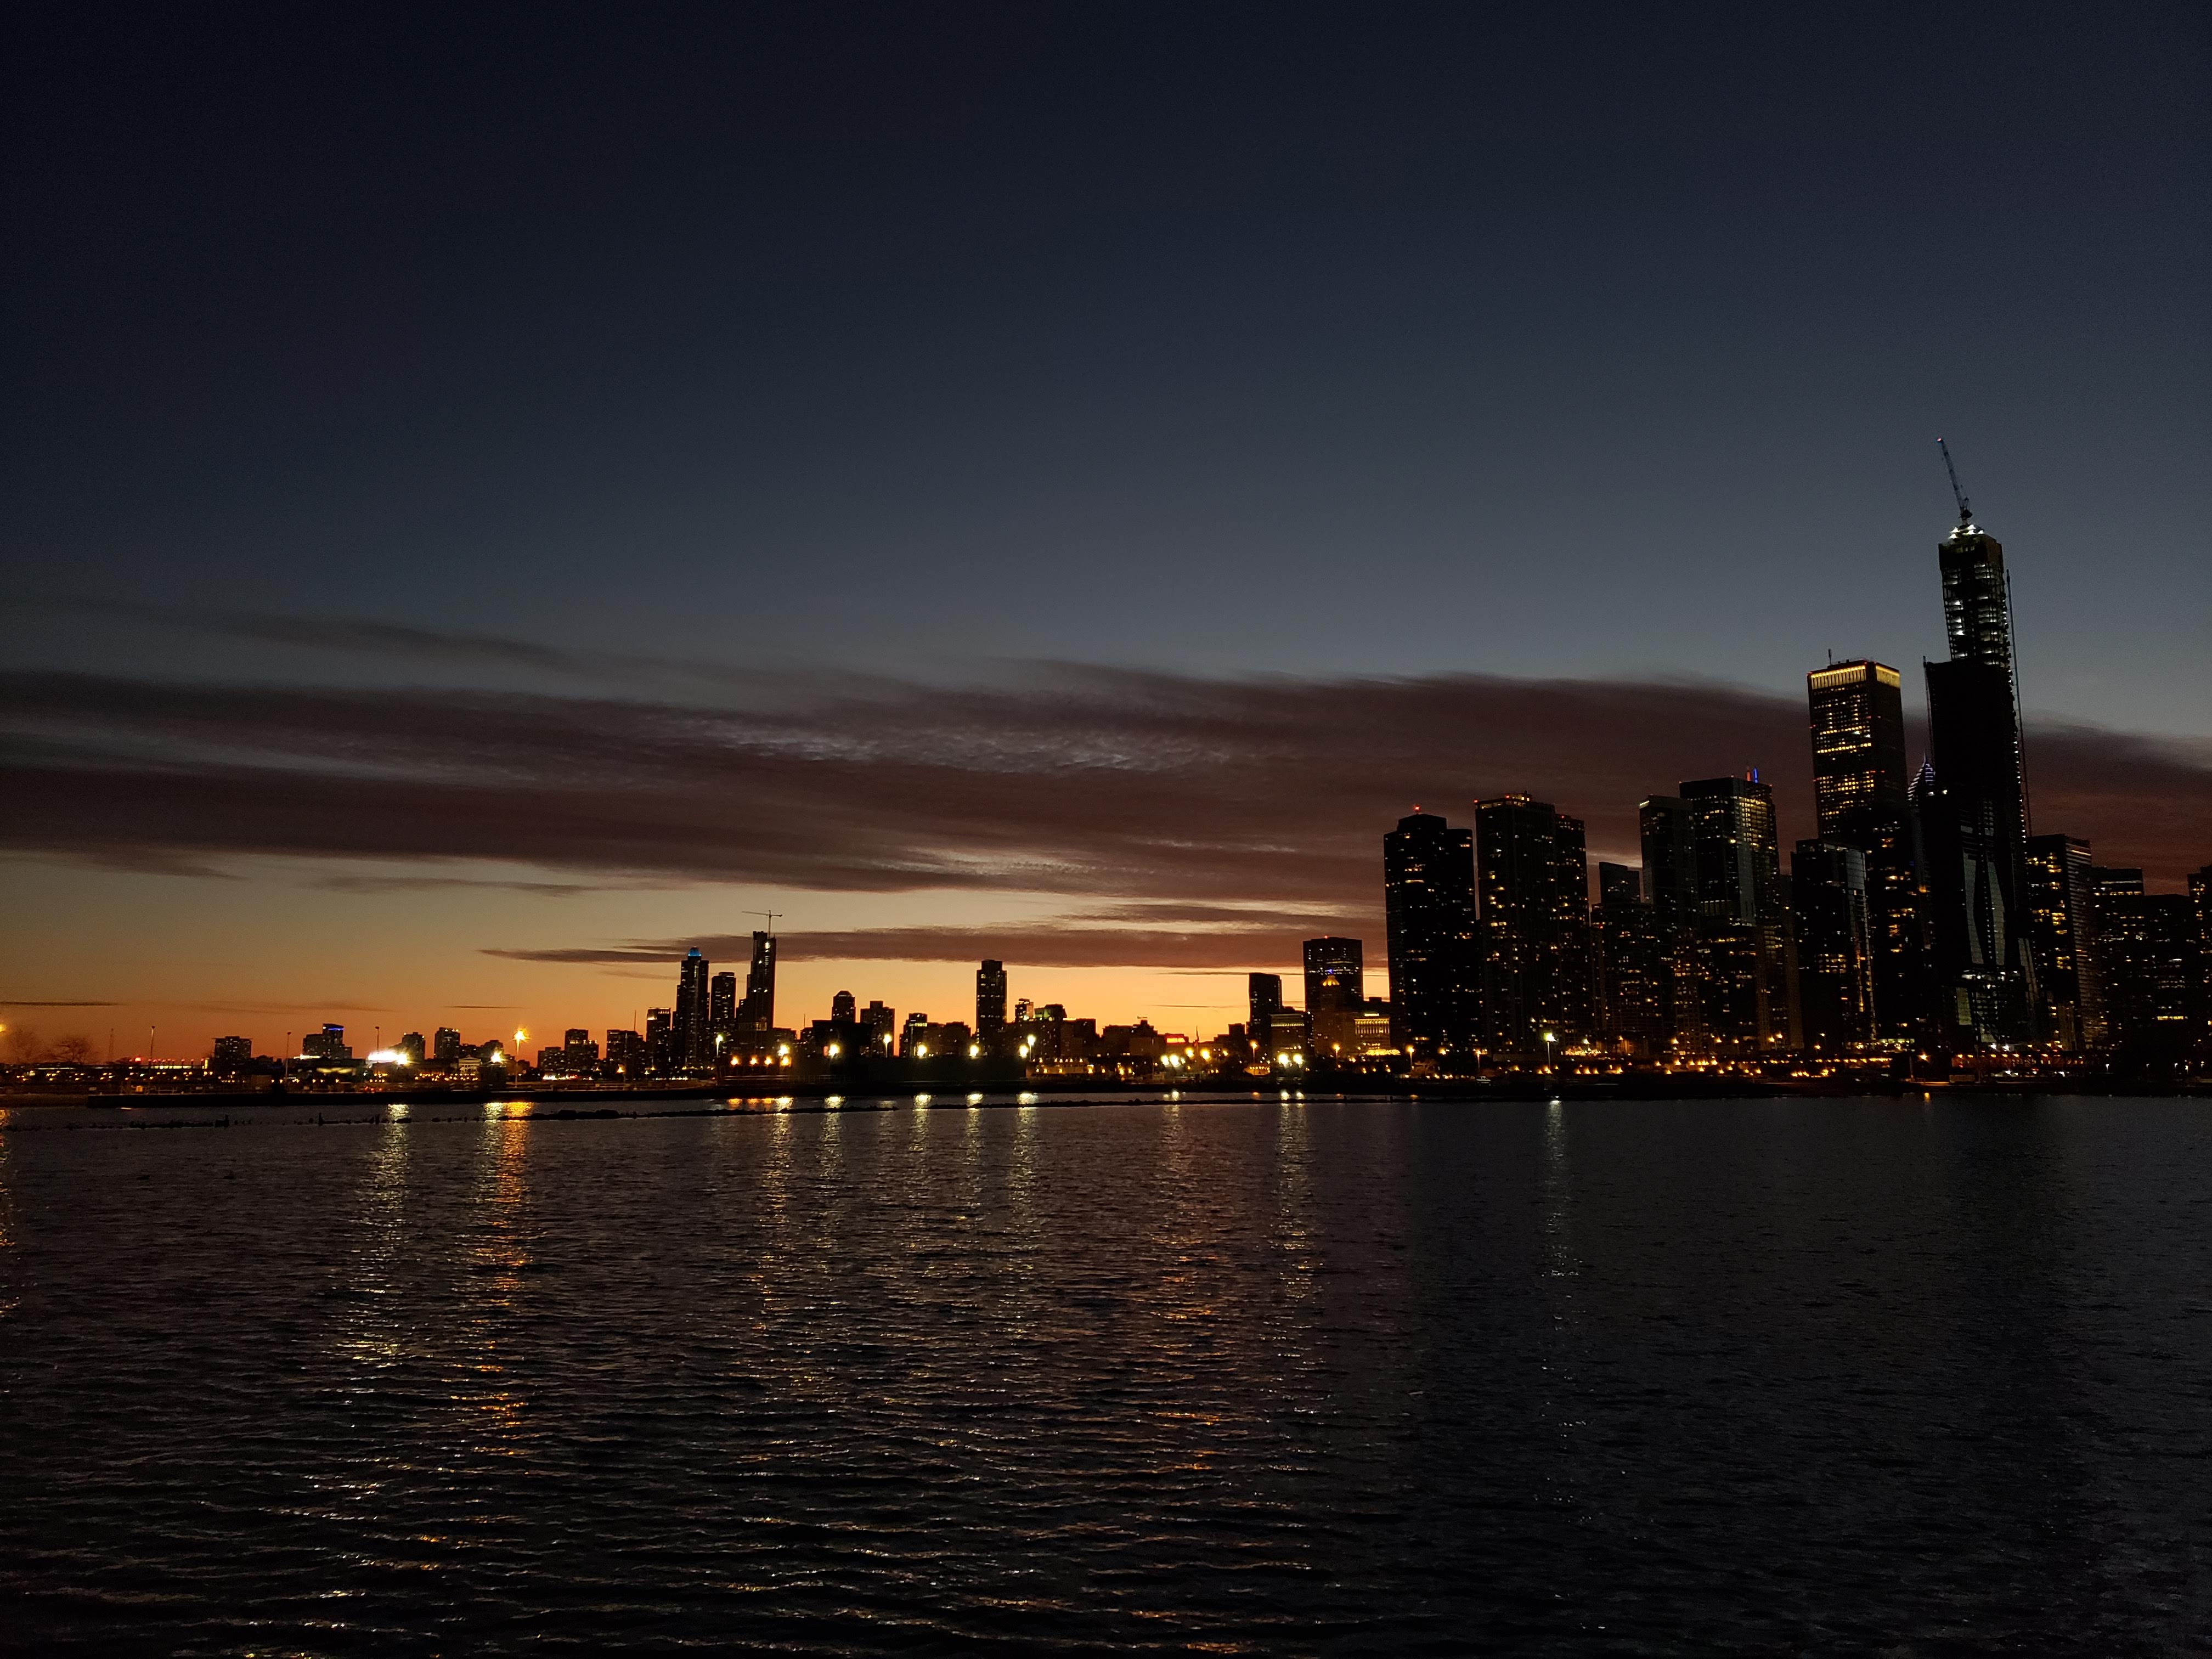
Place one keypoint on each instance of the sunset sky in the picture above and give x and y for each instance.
(498, 496)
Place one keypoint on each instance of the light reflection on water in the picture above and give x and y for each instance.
(1279, 1375)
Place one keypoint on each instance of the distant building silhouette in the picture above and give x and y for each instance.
(1335, 988)
(990, 1005)
(1428, 901)
(693, 1043)
(1634, 967)
(1532, 890)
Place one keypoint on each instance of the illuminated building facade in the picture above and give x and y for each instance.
(1741, 922)
(990, 1004)
(1834, 958)
(1532, 890)
(2061, 940)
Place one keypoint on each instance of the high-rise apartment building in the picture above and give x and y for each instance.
(1834, 953)
(1532, 891)
(1742, 923)
(1635, 970)
(2150, 971)
(232, 1056)
(722, 1007)
(883, 1025)
(990, 1005)
(2061, 940)
(1670, 886)
(1428, 901)
(446, 1046)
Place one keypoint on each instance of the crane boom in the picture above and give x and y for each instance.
(1966, 513)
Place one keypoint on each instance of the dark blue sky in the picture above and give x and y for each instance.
(1312, 340)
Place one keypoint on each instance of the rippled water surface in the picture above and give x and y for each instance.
(1831, 1378)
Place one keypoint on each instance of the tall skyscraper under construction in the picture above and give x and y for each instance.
(1970, 804)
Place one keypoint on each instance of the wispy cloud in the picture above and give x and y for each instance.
(1196, 801)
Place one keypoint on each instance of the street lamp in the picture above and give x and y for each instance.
(1550, 1038)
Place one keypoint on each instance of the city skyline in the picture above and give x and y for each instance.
(469, 544)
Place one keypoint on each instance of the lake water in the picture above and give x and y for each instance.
(1391, 1377)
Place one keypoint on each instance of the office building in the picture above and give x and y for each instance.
(1336, 988)
(446, 1046)
(990, 1005)
(1834, 954)
(232, 1056)
(1531, 891)
(1741, 922)
(1859, 767)
(661, 1058)
(722, 1008)
(1428, 901)
(1978, 625)
(844, 1008)
(2061, 941)
(1859, 778)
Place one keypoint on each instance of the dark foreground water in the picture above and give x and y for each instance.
(1769, 1377)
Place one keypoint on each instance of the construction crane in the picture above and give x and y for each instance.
(770, 915)
(1966, 513)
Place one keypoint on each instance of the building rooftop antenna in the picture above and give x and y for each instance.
(1966, 513)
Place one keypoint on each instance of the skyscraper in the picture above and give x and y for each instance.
(844, 1008)
(1835, 977)
(1969, 807)
(693, 1045)
(990, 1004)
(1742, 923)
(756, 1014)
(722, 1004)
(1634, 969)
(1428, 900)
(1335, 985)
(2061, 935)
(1859, 769)
(1263, 994)
(1670, 885)
(1532, 890)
